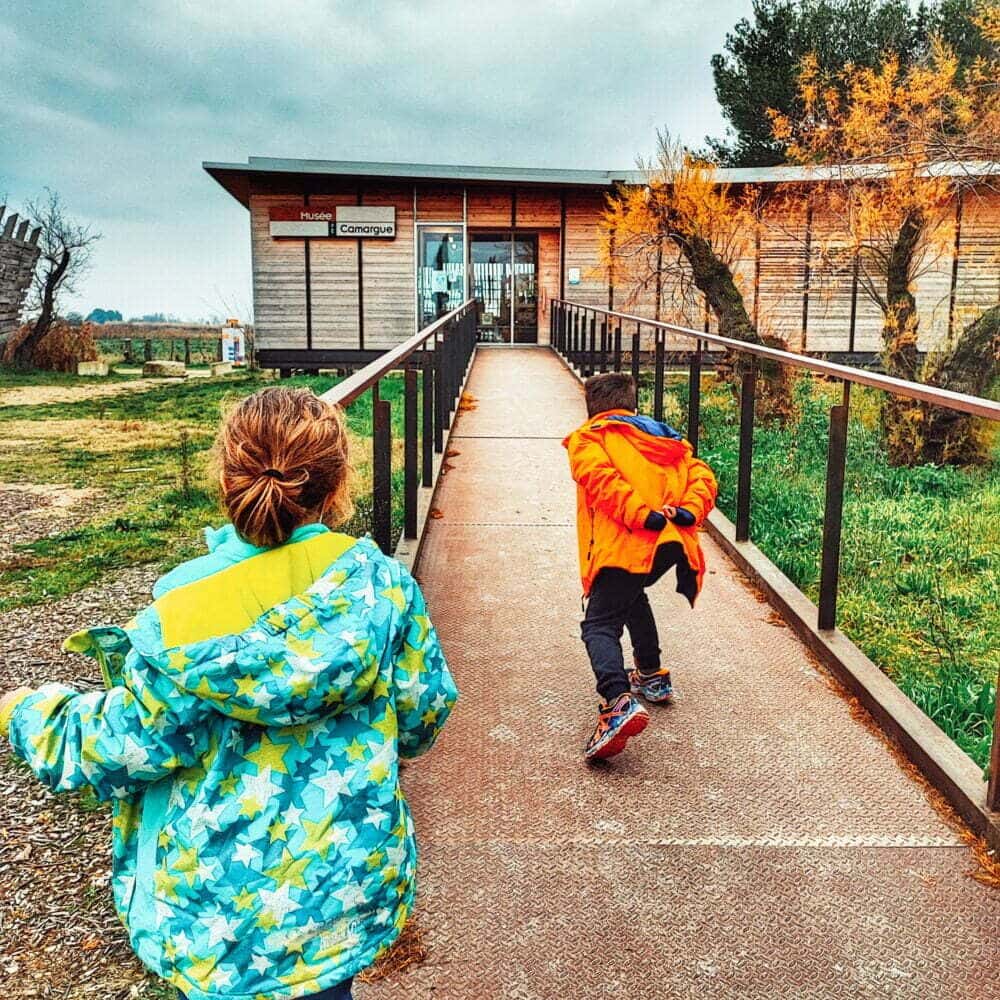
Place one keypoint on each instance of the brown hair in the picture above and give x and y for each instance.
(282, 456)
(611, 391)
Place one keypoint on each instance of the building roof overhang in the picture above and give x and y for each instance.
(236, 177)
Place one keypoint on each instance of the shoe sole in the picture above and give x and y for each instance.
(616, 744)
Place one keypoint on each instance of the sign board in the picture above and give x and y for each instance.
(348, 221)
(233, 345)
(573, 276)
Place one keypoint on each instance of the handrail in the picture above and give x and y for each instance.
(590, 338)
(427, 413)
(346, 392)
(976, 405)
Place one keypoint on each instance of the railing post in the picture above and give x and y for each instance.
(592, 353)
(636, 347)
(618, 348)
(410, 455)
(747, 397)
(833, 516)
(440, 403)
(427, 422)
(658, 378)
(694, 398)
(604, 345)
(382, 473)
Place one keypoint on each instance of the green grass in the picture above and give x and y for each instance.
(131, 448)
(920, 561)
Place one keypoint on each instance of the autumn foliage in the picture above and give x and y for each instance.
(894, 146)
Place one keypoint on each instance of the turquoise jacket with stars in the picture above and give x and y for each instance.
(249, 740)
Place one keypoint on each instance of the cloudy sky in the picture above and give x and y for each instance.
(115, 105)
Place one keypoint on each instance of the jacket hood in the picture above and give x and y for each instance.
(654, 440)
(292, 662)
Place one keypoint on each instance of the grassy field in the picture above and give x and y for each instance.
(920, 566)
(144, 454)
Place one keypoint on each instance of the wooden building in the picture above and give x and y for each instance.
(350, 258)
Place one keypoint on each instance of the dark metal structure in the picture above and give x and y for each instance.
(590, 339)
(435, 362)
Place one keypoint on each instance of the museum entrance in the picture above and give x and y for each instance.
(504, 268)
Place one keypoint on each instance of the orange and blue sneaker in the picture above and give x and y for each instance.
(617, 723)
(655, 688)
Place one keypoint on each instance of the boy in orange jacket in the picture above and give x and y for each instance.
(641, 497)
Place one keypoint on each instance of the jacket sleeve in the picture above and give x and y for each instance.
(117, 740)
(606, 488)
(701, 490)
(424, 689)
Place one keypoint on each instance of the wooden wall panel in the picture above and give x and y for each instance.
(583, 248)
(548, 279)
(978, 285)
(388, 267)
(782, 271)
(537, 209)
(279, 280)
(333, 270)
(439, 204)
(490, 207)
(831, 283)
(933, 292)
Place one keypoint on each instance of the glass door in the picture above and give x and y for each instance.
(491, 286)
(503, 269)
(525, 289)
(440, 272)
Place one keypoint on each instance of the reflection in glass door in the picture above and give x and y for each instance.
(440, 272)
(525, 290)
(503, 271)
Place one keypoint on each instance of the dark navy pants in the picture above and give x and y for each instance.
(617, 602)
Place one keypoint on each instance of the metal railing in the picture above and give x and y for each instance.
(440, 355)
(592, 339)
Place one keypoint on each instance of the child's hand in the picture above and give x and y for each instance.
(670, 511)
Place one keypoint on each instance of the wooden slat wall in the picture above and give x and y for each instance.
(978, 286)
(830, 283)
(583, 213)
(388, 266)
(537, 209)
(933, 292)
(548, 278)
(782, 269)
(279, 280)
(490, 207)
(333, 268)
(439, 204)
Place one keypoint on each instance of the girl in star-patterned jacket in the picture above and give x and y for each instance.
(251, 729)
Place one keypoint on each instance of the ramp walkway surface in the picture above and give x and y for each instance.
(757, 841)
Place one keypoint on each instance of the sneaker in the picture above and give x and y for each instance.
(655, 688)
(616, 725)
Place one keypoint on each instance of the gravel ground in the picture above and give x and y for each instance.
(59, 935)
(30, 511)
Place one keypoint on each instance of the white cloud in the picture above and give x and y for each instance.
(115, 106)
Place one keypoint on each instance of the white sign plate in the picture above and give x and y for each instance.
(368, 221)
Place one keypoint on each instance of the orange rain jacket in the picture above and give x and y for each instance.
(626, 466)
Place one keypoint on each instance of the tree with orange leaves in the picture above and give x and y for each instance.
(894, 146)
(681, 235)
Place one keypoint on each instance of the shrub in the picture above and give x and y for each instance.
(60, 350)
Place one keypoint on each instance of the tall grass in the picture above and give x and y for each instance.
(919, 585)
(146, 455)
